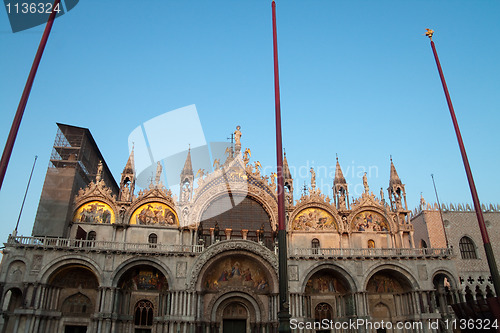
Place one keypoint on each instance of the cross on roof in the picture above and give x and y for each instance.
(481, 280)
(470, 280)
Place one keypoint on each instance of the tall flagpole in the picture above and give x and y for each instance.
(24, 199)
(477, 206)
(9, 145)
(284, 306)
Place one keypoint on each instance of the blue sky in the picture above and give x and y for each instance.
(357, 78)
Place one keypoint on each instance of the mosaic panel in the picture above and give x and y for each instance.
(314, 219)
(369, 221)
(95, 212)
(236, 271)
(153, 213)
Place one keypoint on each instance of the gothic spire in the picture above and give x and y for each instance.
(187, 179)
(394, 178)
(130, 166)
(188, 167)
(286, 169)
(339, 176)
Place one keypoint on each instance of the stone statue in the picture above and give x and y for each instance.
(422, 202)
(260, 233)
(185, 192)
(122, 213)
(313, 178)
(365, 184)
(342, 200)
(126, 193)
(159, 168)
(216, 164)
(200, 231)
(345, 225)
(237, 136)
(98, 176)
(381, 194)
(216, 232)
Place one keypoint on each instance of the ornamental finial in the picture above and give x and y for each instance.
(429, 33)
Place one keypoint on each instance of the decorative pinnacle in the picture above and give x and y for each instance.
(429, 33)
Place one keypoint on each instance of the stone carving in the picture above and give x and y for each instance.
(381, 194)
(181, 269)
(293, 272)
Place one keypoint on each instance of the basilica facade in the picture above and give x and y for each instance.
(205, 259)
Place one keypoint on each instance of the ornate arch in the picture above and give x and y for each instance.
(132, 262)
(331, 266)
(316, 204)
(250, 187)
(48, 270)
(155, 195)
(410, 279)
(95, 192)
(215, 305)
(224, 248)
(376, 209)
(449, 276)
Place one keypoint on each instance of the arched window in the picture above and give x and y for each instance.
(315, 246)
(143, 315)
(371, 244)
(323, 311)
(152, 239)
(467, 248)
(92, 235)
(423, 244)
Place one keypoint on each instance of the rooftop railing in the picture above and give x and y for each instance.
(156, 248)
(99, 245)
(348, 253)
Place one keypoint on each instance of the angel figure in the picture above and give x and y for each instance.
(258, 166)
(216, 164)
(246, 155)
(201, 173)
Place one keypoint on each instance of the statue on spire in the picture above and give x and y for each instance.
(159, 169)
(237, 139)
(98, 175)
(313, 178)
(365, 184)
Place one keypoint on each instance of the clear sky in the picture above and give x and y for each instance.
(358, 79)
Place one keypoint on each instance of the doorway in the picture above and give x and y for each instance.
(75, 329)
(234, 326)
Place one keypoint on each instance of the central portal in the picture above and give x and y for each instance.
(234, 326)
(234, 319)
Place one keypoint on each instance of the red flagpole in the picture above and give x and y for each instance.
(477, 206)
(284, 306)
(9, 145)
